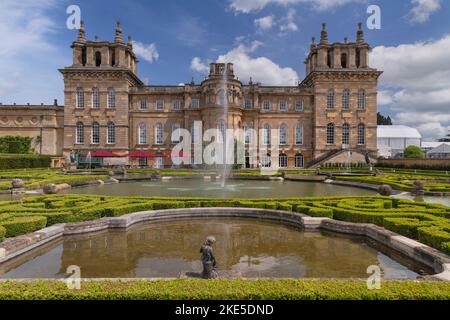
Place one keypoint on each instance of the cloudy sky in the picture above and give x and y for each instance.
(265, 39)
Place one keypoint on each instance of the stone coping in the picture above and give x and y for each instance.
(438, 261)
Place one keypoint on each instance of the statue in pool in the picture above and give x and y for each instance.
(208, 259)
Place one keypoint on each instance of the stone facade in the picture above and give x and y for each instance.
(107, 107)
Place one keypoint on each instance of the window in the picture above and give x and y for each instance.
(159, 133)
(283, 161)
(111, 98)
(80, 98)
(330, 133)
(299, 161)
(344, 60)
(195, 103)
(111, 134)
(221, 98)
(283, 105)
(248, 104)
(266, 134)
(176, 105)
(143, 133)
(346, 99)
(358, 58)
(346, 134)
(248, 128)
(175, 133)
(361, 99)
(299, 105)
(283, 134)
(95, 98)
(266, 161)
(330, 99)
(160, 105)
(195, 134)
(98, 59)
(143, 104)
(329, 54)
(299, 134)
(79, 133)
(95, 135)
(221, 131)
(361, 134)
(266, 105)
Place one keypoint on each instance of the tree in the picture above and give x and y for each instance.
(445, 139)
(413, 152)
(383, 121)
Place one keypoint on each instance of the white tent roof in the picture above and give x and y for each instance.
(432, 144)
(443, 148)
(398, 132)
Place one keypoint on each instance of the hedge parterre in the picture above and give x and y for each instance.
(426, 222)
(195, 289)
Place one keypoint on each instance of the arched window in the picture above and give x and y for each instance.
(195, 134)
(361, 134)
(95, 134)
(299, 134)
(266, 161)
(111, 134)
(95, 98)
(266, 134)
(282, 160)
(98, 59)
(346, 99)
(83, 56)
(248, 136)
(80, 98)
(79, 133)
(221, 131)
(330, 99)
(142, 132)
(283, 134)
(221, 97)
(175, 133)
(299, 160)
(111, 98)
(112, 55)
(358, 58)
(344, 60)
(159, 134)
(330, 133)
(346, 134)
(361, 99)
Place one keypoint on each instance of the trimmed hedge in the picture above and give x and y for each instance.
(222, 289)
(22, 225)
(2, 233)
(428, 223)
(24, 161)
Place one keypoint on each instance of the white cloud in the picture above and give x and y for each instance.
(416, 84)
(247, 6)
(199, 66)
(261, 69)
(289, 22)
(423, 9)
(147, 52)
(264, 23)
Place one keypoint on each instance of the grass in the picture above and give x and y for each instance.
(193, 289)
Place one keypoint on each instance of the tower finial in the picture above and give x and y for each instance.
(360, 34)
(324, 34)
(130, 42)
(118, 37)
(313, 42)
(81, 33)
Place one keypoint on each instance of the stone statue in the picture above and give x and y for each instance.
(72, 157)
(208, 259)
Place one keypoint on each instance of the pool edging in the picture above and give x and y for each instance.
(438, 261)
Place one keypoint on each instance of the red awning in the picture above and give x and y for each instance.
(141, 154)
(102, 154)
(179, 154)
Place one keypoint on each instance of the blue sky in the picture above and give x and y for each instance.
(266, 39)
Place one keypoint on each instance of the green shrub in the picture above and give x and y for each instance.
(162, 205)
(321, 212)
(22, 225)
(24, 161)
(404, 226)
(284, 206)
(2, 233)
(414, 152)
(433, 236)
(445, 246)
(15, 144)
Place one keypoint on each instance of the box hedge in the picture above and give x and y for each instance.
(2, 233)
(22, 225)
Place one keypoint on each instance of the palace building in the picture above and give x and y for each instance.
(330, 116)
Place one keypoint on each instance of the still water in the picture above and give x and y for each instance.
(233, 189)
(244, 248)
